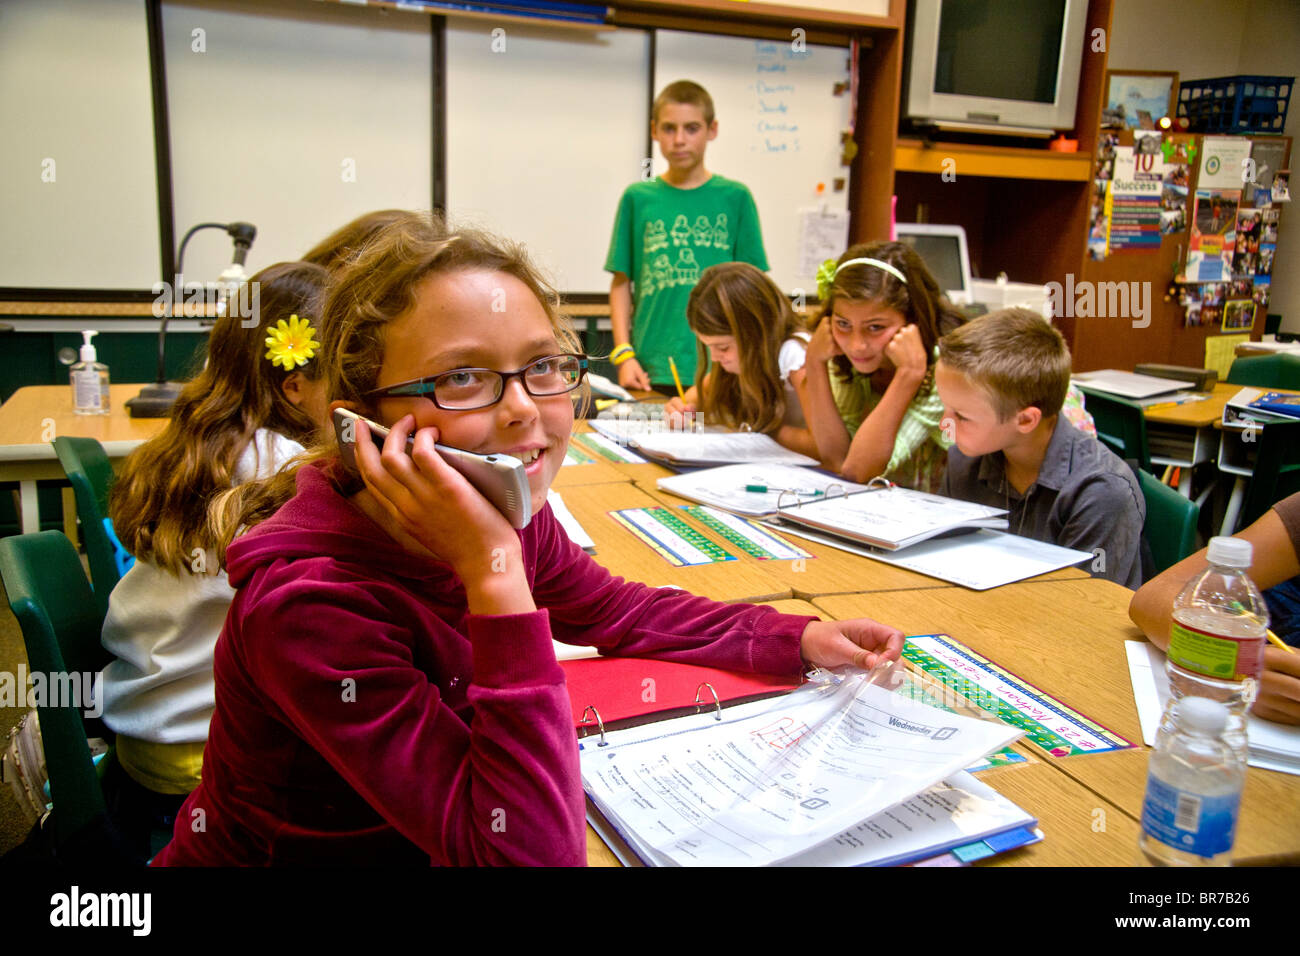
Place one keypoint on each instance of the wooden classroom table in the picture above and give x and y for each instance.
(34, 416)
(623, 553)
(1066, 810)
(1067, 639)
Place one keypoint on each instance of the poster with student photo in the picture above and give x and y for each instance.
(1190, 299)
(1267, 157)
(1238, 315)
(1210, 247)
(1264, 264)
(1268, 226)
(1138, 99)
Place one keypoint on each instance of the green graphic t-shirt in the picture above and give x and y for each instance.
(664, 237)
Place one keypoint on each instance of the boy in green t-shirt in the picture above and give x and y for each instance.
(667, 231)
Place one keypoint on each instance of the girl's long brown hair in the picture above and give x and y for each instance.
(736, 299)
(919, 301)
(372, 290)
(159, 503)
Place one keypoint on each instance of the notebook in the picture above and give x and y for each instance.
(888, 517)
(701, 448)
(1129, 384)
(736, 488)
(836, 767)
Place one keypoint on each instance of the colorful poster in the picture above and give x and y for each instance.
(1210, 248)
(1134, 200)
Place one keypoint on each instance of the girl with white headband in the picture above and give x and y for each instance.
(872, 405)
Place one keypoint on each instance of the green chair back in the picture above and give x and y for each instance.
(1121, 426)
(1277, 470)
(61, 622)
(1170, 527)
(91, 475)
(1266, 371)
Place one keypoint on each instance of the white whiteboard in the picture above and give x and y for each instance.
(543, 135)
(779, 127)
(296, 117)
(77, 146)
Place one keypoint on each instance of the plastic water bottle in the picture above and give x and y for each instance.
(1189, 814)
(1217, 640)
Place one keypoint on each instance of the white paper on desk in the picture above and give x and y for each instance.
(1273, 746)
(980, 560)
(708, 447)
(576, 532)
(893, 517)
(724, 486)
(953, 813)
(777, 777)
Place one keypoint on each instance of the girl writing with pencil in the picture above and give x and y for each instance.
(756, 347)
(387, 688)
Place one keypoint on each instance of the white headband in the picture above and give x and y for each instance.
(873, 262)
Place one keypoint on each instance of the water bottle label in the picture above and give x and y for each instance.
(1187, 821)
(1214, 655)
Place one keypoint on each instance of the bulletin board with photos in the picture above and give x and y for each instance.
(1220, 196)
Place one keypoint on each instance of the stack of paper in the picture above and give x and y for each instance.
(734, 488)
(709, 445)
(1273, 746)
(778, 778)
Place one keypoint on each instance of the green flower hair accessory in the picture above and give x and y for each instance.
(825, 276)
(290, 344)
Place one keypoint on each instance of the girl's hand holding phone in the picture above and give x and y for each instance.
(822, 347)
(443, 512)
(861, 642)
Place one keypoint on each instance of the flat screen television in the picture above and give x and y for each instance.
(1004, 66)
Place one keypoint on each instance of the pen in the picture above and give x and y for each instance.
(1181, 401)
(762, 489)
(676, 378)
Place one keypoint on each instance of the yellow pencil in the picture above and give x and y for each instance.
(1281, 643)
(676, 378)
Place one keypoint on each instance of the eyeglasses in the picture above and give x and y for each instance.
(463, 389)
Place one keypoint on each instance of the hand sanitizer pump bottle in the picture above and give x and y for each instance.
(89, 381)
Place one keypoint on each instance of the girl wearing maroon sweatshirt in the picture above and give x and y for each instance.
(386, 685)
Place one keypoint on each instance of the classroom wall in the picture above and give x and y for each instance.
(1206, 38)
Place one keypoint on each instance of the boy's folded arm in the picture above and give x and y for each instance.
(505, 789)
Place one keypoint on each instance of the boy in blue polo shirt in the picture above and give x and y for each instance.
(668, 230)
(1002, 379)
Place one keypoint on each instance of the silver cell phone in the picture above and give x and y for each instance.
(499, 478)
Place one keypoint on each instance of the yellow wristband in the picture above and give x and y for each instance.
(621, 355)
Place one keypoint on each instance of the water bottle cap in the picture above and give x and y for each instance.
(1230, 552)
(1202, 714)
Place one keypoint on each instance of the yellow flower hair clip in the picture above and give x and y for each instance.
(289, 344)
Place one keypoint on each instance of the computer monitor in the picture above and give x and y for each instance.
(944, 252)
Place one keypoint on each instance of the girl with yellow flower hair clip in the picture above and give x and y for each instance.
(252, 407)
